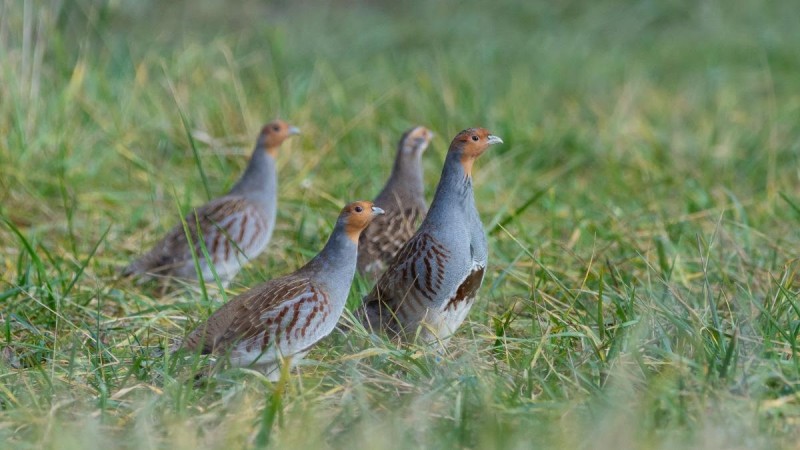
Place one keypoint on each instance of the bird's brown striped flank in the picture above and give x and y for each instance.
(227, 243)
(247, 316)
(391, 291)
(468, 288)
(174, 247)
(434, 257)
(224, 242)
(258, 228)
(320, 311)
(287, 333)
(242, 228)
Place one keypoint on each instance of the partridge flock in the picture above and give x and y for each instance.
(426, 278)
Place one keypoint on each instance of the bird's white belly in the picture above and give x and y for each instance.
(454, 314)
(267, 361)
(244, 355)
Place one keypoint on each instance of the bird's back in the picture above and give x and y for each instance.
(388, 233)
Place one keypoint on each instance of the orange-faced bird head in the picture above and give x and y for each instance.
(470, 144)
(357, 216)
(274, 133)
(415, 141)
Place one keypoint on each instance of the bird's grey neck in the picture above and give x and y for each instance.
(455, 186)
(338, 257)
(259, 179)
(407, 172)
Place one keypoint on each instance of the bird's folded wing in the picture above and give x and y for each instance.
(415, 274)
(173, 248)
(232, 225)
(285, 311)
(390, 232)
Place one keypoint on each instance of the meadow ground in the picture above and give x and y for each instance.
(642, 217)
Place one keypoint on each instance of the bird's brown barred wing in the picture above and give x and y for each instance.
(381, 241)
(412, 282)
(287, 312)
(227, 225)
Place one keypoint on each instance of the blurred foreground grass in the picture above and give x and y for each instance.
(642, 216)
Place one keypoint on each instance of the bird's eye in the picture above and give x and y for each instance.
(359, 209)
(276, 128)
(475, 138)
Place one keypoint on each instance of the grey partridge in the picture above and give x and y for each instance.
(429, 287)
(403, 199)
(234, 228)
(285, 317)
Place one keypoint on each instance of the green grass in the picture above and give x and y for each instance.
(642, 290)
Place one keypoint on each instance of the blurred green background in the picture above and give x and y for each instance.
(642, 217)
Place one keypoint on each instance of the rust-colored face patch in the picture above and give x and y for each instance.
(417, 139)
(472, 143)
(466, 163)
(274, 133)
(357, 216)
